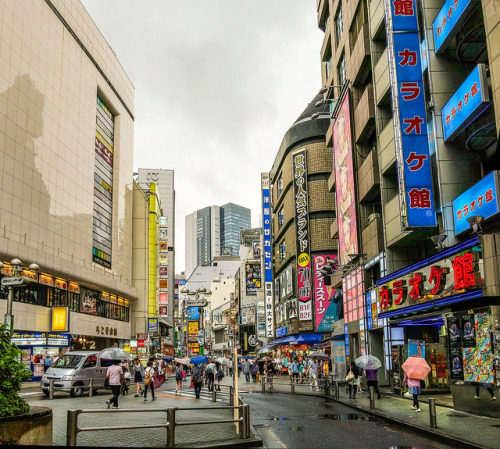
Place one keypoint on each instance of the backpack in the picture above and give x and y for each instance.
(178, 374)
(210, 370)
(148, 378)
(197, 375)
(220, 374)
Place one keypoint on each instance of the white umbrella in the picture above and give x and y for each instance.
(319, 355)
(182, 361)
(114, 354)
(368, 362)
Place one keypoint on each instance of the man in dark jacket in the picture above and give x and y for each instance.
(197, 376)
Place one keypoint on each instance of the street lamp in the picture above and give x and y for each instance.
(200, 301)
(15, 281)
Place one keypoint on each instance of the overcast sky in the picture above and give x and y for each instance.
(217, 85)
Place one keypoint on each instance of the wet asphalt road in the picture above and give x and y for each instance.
(284, 420)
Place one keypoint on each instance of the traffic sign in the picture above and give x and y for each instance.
(196, 303)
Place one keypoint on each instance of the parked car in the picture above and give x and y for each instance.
(73, 370)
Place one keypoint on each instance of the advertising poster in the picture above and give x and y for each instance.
(292, 308)
(344, 181)
(88, 301)
(256, 249)
(253, 279)
(468, 334)
(339, 351)
(454, 332)
(193, 313)
(456, 364)
(327, 300)
(416, 348)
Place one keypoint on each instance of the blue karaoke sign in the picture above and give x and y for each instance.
(410, 123)
(481, 199)
(448, 22)
(193, 313)
(466, 104)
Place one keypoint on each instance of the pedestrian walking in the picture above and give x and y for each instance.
(268, 373)
(301, 371)
(239, 369)
(138, 376)
(487, 387)
(312, 372)
(230, 367)
(197, 377)
(246, 370)
(254, 370)
(352, 379)
(47, 363)
(126, 377)
(210, 375)
(115, 375)
(371, 379)
(179, 377)
(295, 369)
(219, 374)
(414, 389)
(149, 376)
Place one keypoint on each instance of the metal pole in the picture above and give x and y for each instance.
(263, 383)
(372, 397)
(231, 397)
(214, 394)
(51, 390)
(325, 386)
(171, 426)
(91, 387)
(245, 430)
(432, 412)
(10, 298)
(337, 389)
(72, 427)
(292, 385)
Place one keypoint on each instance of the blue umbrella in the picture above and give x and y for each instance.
(249, 357)
(198, 360)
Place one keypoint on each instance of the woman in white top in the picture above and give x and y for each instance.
(115, 375)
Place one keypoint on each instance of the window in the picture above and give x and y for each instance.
(282, 251)
(339, 25)
(281, 218)
(279, 184)
(91, 362)
(357, 23)
(342, 70)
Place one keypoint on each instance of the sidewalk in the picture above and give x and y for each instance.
(456, 428)
(209, 435)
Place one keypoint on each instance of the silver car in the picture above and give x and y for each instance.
(73, 370)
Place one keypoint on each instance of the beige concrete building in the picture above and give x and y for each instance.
(66, 147)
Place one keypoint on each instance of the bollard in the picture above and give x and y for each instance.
(91, 387)
(171, 426)
(337, 389)
(263, 381)
(326, 385)
(292, 384)
(51, 390)
(214, 394)
(231, 396)
(72, 427)
(372, 397)
(245, 430)
(432, 412)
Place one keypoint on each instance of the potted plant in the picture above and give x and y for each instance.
(19, 424)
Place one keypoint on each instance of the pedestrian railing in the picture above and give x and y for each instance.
(242, 421)
(322, 384)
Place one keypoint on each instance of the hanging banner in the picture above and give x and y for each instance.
(302, 233)
(327, 300)
(267, 255)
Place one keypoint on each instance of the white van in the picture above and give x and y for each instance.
(73, 370)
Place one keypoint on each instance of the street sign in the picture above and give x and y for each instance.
(196, 303)
(200, 333)
(13, 281)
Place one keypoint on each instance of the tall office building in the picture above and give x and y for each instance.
(214, 231)
(164, 180)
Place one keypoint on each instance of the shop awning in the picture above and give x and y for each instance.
(301, 339)
(328, 340)
(272, 344)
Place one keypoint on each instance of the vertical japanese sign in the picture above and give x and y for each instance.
(327, 300)
(344, 182)
(267, 254)
(302, 233)
(409, 115)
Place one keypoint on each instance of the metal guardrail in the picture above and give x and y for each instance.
(243, 417)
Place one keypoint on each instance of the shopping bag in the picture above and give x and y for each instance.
(258, 377)
(158, 380)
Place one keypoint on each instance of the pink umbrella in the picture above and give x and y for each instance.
(416, 368)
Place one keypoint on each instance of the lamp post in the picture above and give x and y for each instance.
(12, 282)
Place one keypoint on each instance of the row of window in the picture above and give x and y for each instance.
(43, 295)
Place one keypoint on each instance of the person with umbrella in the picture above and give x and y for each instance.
(246, 370)
(179, 377)
(414, 389)
(210, 375)
(197, 375)
(371, 378)
(416, 369)
(138, 376)
(254, 370)
(115, 376)
(352, 379)
(219, 374)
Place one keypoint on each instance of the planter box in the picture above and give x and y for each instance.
(33, 428)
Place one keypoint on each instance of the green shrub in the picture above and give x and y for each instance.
(12, 374)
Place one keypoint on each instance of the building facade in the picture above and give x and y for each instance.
(66, 178)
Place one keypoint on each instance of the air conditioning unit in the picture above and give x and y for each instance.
(373, 217)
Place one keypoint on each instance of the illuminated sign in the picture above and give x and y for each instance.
(327, 300)
(266, 226)
(448, 22)
(304, 293)
(466, 104)
(481, 199)
(60, 319)
(409, 116)
(58, 340)
(152, 325)
(29, 339)
(193, 313)
(163, 283)
(163, 311)
(163, 221)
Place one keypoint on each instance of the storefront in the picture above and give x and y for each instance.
(36, 346)
(439, 309)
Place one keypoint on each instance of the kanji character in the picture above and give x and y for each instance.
(453, 113)
(465, 209)
(416, 283)
(438, 278)
(413, 124)
(473, 90)
(408, 57)
(420, 199)
(420, 158)
(472, 205)
(409, 91)
(97, 330)
(403, 8)
(459, 106)
(466, 98)
(399, 289)
(489, 195)
(463, 271)
(480, 200)
(385, 297)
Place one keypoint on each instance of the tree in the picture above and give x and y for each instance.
(12, 374)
